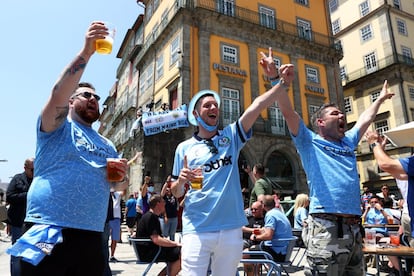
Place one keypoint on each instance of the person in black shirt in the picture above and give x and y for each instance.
(256, 220)
(149, 227)
(16, 196)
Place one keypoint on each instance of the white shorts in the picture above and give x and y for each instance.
(223, 248)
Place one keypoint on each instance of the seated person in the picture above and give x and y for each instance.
(389, 209)
(256, 220)
(375, 214)
(150, 227)
(277, 226)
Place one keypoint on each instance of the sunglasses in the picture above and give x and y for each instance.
(87, 95)
(211, 146)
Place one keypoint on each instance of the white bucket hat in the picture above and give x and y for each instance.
(194, 101)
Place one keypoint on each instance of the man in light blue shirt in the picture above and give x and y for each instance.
(213, 215)
(332, 236)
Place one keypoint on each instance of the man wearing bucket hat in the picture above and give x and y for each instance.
(213, 214)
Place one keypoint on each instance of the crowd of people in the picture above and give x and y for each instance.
(61, 227)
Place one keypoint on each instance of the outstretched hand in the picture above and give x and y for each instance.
(285, 71)
(386, 93)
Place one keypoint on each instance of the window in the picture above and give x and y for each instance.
(364, 8)
(277, 61)
(226, 7)
(150, 75)
(397, 4)
(159, 67)
(231, 105)
(312, 74)
(267, 18)
(411, 92)
(304, 29)
(229, 54)
(313, 109)
(336, 26)
(370, 61)
(381, 126)
(343, 73)
(407, 55)
(142, 82)
(175, 46)
(302, 2)
(333, 5)
(402, 27)
(366, 33)
(277, 122)
(374, 96)
(348, 104)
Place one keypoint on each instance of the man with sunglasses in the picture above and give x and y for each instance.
(332, 235)
(213, 215)
(16, 195)
(68, 199)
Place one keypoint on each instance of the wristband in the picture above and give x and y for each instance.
(274, 82)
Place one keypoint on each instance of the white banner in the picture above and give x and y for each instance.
(160, 121)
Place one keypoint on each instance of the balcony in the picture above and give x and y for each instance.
(240, 13)
(381, 64)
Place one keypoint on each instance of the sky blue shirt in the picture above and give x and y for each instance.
(219, 204)
(331, 171)
(300, 215)
(408, 166)
(278, 221)
(70, 188)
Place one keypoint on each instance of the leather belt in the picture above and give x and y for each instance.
(345, 219)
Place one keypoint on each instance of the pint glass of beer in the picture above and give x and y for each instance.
(104, 46)
(111, 170)
(197, 181)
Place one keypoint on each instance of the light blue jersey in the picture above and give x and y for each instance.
(331, 171)
(219, 204)
(70, 177)
(278, 221)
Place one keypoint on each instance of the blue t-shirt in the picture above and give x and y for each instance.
(219, 204)
(70, 188)
(131, 204)
(278, 221)
(408, 166)
(300, 215)
(331, 171)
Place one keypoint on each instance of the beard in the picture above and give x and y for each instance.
(87, 114)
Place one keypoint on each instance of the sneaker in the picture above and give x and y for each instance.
(113, 259)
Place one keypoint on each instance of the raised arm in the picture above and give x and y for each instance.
(366, 118)
(386, 163)
(56, 108)
(268, 98)
(291, 116)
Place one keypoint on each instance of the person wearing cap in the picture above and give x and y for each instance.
(213, 215)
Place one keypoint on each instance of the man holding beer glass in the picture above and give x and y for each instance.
(67, 202)
(213, 214)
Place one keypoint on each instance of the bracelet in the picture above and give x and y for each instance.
(274, 78)
(283, 83)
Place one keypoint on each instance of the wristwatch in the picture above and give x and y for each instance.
(373, 145)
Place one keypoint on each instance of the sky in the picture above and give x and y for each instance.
(39, 38)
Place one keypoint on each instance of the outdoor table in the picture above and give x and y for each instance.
(386, 249)
(389, 226)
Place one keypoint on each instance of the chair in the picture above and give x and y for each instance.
(272, 266)
(135, 243)
(292, 243)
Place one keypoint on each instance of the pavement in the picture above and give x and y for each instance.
(126, 265)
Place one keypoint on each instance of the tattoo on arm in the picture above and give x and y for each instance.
(78, 64)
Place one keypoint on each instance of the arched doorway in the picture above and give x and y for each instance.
(279, 170)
